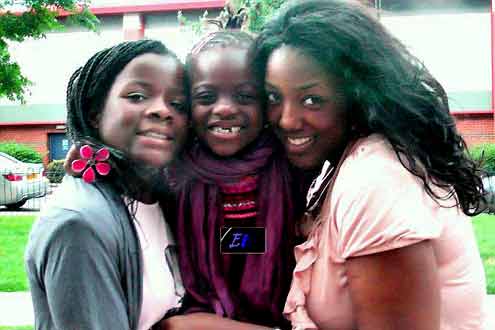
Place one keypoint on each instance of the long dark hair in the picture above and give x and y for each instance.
(87, 92)
(387, 90)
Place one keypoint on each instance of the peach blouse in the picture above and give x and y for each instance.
(376, 205)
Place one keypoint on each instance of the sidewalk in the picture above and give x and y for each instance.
(16, 310)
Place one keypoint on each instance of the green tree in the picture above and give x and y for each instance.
(259, 11)
(21, 19)
(248, 15)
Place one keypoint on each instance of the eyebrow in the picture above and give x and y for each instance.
(140, 82)
(301, 87)
(248, 83)
(149, 85)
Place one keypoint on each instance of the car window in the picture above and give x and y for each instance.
(9, 157)
(4, 161)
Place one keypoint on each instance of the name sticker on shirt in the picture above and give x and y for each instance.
(242, 240)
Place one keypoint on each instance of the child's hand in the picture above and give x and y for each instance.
(71, 156)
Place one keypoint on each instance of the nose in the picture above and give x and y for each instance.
(225, 108)
(290, 117)
(160, 110)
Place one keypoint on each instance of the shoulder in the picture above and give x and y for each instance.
(78, 212)
(372, 175)
(373, 159)
(75, 194)
(376, 204)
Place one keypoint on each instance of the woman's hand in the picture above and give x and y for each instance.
(396, 289)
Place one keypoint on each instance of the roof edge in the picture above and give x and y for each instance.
(32, 123)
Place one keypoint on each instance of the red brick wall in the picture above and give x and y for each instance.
(33, 136)
(476, 128)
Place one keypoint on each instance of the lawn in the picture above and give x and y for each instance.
(14, 232)
(484, 226)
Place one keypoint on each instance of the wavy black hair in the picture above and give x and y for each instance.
(87, 92)
(387, 91)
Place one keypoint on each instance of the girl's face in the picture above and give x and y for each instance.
(144, 113)
(226, 103)
(304, 107)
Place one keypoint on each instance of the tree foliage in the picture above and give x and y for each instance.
(248, 15)
(21, 19)
(259, 11)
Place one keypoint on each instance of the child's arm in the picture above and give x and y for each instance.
(207, 321)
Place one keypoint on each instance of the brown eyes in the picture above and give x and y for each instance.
(308, 101)
(180, 106)
(272, 98)
(136, 97)
(313, 101)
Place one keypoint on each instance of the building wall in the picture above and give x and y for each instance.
(33, 136)
(49, 62)
(476, 129)
(164, 27)
(455, 47)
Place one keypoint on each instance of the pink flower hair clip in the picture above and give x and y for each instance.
(90, 159)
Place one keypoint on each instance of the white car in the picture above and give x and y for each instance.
(20, 181)
(489, 185)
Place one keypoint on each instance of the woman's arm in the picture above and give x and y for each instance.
(74, 277)
(206, 321)
(396, 289)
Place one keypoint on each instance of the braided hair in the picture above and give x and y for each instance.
(387, 91)
(87, 92)
(222, 39)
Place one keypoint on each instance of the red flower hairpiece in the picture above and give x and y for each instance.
(89, 159)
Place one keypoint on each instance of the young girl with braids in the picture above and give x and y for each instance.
(101, 255)
(234, 174)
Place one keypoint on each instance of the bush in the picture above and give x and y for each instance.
(55, 171)
(21, 152)
(485, 154)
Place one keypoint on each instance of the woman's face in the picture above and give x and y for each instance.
(226, 103)
(304, 107)
(144, 113)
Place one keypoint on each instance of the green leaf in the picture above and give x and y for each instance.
(39, 17)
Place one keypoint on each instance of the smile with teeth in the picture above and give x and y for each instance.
(158, 136)
(226, 130)
(299, 141)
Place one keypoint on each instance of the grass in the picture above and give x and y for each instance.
(25, 327)
(484, 227)
(14, 232)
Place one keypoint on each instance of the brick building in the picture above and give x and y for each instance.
(454, 38)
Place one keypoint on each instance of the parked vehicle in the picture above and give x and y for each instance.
(489, 186)
(20, 181)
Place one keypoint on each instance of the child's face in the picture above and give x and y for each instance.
(226, 102)
(144, 112)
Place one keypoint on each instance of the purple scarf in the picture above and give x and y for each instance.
(257, 293)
